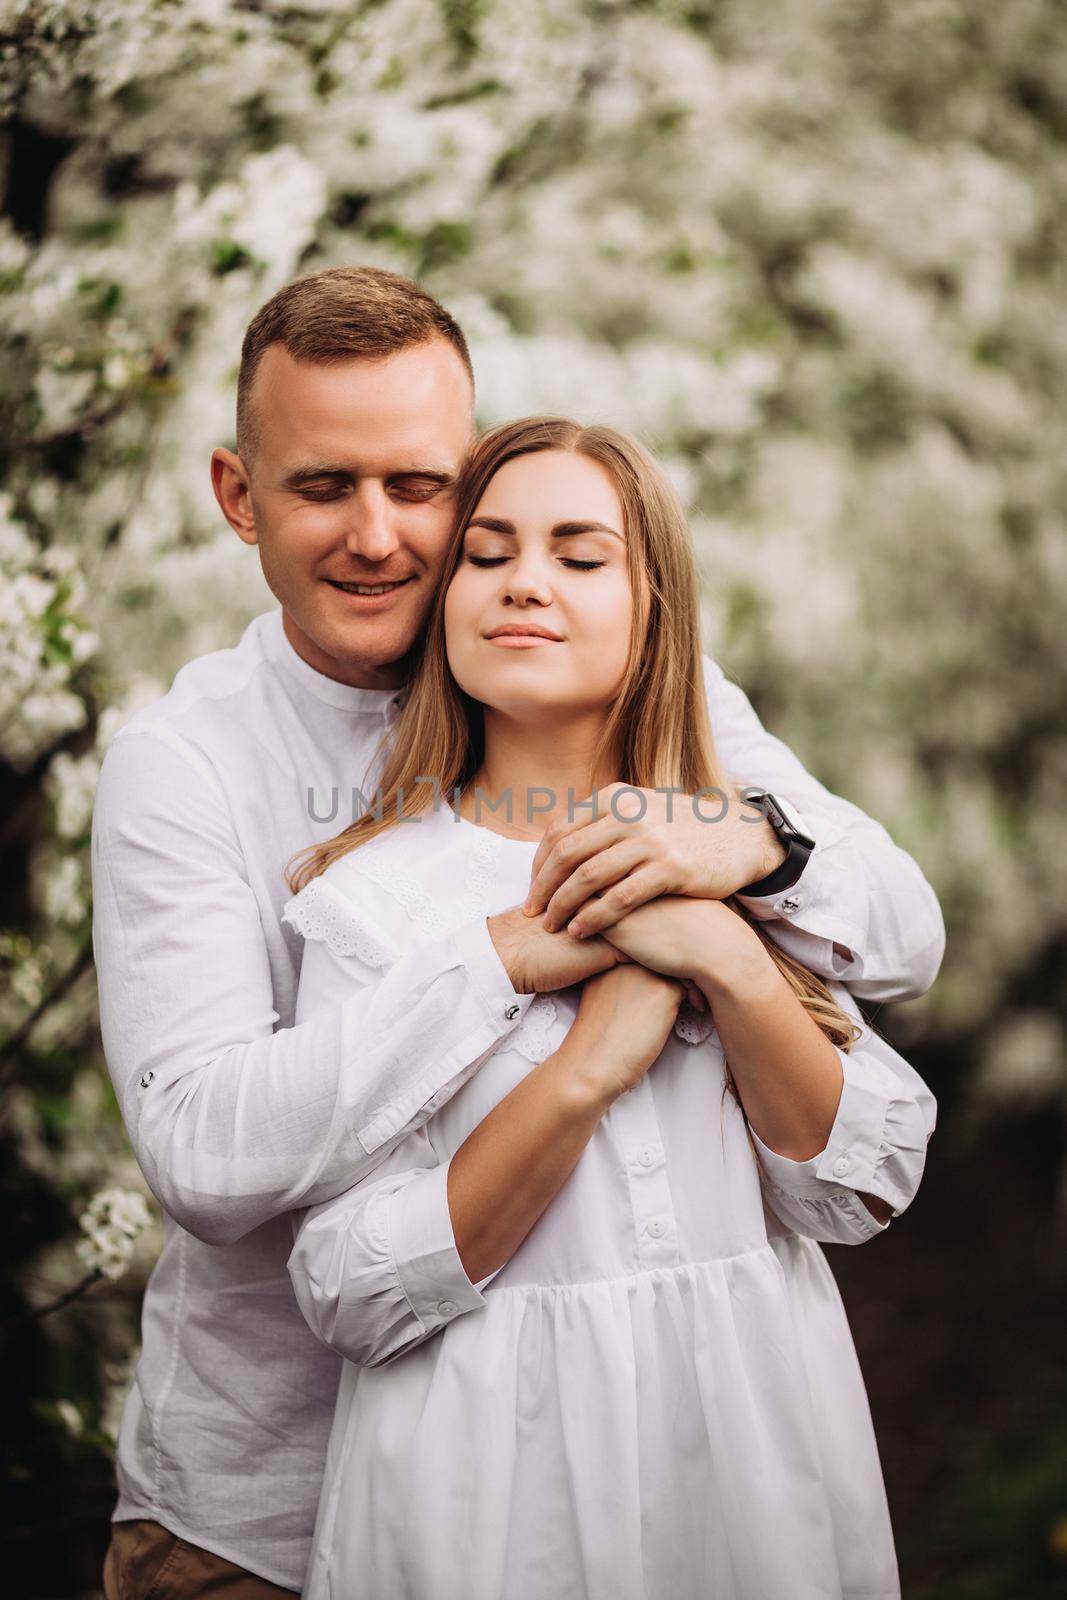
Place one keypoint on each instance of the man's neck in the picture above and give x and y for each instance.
(353, 673)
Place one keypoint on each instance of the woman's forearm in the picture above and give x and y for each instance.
(505, 1173)
(787, 1072)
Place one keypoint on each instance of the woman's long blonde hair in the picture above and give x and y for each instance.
(657, 732)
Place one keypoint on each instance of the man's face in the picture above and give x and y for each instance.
(352, 486)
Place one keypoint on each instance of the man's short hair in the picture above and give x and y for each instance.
(340, 315)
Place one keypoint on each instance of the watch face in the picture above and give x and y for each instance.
(792, 817)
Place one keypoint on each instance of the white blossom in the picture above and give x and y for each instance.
(112, 1222)
(832, 308)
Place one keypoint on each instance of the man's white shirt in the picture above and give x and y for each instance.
(238, 1117)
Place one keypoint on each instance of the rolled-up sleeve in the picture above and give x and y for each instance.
(877, 1145)
(376, 1271)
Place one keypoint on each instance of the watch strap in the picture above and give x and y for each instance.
(798, 852)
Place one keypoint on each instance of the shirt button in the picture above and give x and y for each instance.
(790, 903)
(447, 1308)
(647, 1157)
(655, 1228)
(841, 1166)
(146, 1079)
(511, 1012)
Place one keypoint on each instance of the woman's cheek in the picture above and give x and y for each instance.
(461, 638)
(617, 620)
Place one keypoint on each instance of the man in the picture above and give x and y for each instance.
(355, 409)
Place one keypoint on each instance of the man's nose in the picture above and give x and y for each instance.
(371, 532)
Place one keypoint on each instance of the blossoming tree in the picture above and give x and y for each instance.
(806, 248)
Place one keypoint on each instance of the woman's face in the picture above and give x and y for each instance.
(538, 614)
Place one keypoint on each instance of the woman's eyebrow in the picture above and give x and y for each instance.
(494, 525)
(561, 530)
(564, 530)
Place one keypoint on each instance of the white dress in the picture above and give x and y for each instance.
(658, 1396)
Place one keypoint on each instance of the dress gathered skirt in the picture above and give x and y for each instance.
(657, 1397)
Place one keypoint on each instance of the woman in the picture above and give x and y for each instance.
(644, 1383)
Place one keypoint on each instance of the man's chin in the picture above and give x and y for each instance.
(383, 647)
(365, 652)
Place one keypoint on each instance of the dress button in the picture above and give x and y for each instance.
(790, 903)
(647, 1157)
(656, 1229)
(511, 1012)
(841, 1166)
(146, 1079)
(447, 1308)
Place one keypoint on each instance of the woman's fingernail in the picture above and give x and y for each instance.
(574, 929)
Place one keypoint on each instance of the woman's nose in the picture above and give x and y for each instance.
(527, 584)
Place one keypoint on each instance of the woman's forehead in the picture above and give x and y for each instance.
(553, 486)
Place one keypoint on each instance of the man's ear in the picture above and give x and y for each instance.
(232, 486)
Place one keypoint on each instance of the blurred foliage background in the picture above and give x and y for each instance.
(812, 250)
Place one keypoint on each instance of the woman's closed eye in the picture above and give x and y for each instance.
(566, 561)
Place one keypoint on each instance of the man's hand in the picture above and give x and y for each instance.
(537, 961)
(587, 874)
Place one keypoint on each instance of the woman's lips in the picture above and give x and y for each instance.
(520, 641)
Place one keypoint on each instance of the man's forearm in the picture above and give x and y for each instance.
(289, 1119)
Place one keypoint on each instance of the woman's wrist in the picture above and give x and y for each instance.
(739, 968)
(586, 1089)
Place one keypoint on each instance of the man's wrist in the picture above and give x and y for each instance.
(768, 854)
(793, 837)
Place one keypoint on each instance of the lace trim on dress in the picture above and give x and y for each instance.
(318, 912)
(402, 886)
(692, 1025)
(533, 1037)
(405, 888)
(480, 863)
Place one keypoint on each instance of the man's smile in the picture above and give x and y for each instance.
(368, 590)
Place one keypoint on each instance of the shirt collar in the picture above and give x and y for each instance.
(345, 696)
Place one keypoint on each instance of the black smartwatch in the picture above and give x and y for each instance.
(798, 844)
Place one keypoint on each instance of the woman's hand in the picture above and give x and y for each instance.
(701, 942)
(624, 1018)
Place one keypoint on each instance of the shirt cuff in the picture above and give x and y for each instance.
(818, 905)
(488, 974)
(423, 1246)
(850, 1158)
(786, 902)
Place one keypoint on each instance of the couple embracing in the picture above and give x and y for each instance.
(495, 1130)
